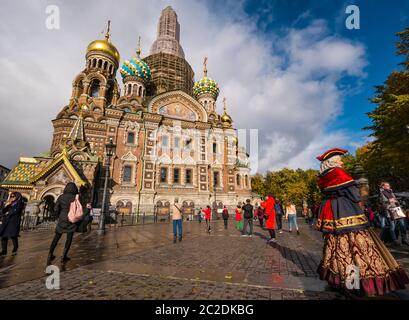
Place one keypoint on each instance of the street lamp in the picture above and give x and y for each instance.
(109, 152)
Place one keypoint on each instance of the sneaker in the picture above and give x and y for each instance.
(290, 231)
(274, 240)
(180, 239)
(3, 253)
(251, 236)
(298, 232)
(244, 235)
(281, 231)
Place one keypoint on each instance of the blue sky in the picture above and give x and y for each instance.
(288, 68)
(379, 21)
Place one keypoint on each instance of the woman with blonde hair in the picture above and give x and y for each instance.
(291, 216)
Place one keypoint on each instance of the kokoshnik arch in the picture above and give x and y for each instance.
(171, 142)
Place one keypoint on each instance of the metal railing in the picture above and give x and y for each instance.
(146, 215)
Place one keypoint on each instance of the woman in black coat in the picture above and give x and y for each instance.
(61, 209)
(10, 222)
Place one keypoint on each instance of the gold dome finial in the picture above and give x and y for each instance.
(205, 67)
(225, 118)
(107, 35)
(138, 49)
(105, 45)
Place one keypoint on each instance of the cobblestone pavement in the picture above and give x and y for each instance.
(142, 262)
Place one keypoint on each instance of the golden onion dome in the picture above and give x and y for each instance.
(225, 118)
(104, 45)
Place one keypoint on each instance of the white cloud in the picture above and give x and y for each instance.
(284, 84)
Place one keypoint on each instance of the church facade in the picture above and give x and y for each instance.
(170, 140)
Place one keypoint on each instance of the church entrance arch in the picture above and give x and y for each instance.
(188, 207)
(162, 210)
(217, 207)
(48, 207)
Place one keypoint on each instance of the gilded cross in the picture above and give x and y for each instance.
(205, 66)
(108, 29)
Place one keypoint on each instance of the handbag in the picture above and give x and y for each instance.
(397, 213)
(76, 212)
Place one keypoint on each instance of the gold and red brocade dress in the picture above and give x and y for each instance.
(348, 240)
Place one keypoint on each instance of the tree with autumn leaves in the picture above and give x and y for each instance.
(387, 156)
(287, 184)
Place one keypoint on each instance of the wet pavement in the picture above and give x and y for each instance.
(142, 262)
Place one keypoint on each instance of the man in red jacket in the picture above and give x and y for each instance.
(270, 212)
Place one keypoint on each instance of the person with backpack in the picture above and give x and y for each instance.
(248, 219)
(225, 215)
(177, 220)
(238, 218)
(10, 222)
(66, 207)
(208, 214)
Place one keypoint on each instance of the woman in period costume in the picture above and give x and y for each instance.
(348, 241)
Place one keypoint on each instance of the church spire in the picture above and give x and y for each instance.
(168, 34)
(78, 131)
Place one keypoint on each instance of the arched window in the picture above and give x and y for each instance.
(110, 68)
(129, 89)
(127, 174)
(95, 88)
(94, 63)
(89, 64)
(246, 180)
(140, 91)
(99, 63)
(105, 65)
(131, 138)
(238, 180)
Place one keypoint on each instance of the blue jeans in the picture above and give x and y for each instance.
(292, 221)
(393, 224)
(279, 217)
(177, 224)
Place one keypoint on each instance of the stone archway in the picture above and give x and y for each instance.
(188, 207)
(162, 210)
(47, 211)
(217, 206)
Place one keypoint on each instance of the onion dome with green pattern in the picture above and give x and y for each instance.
(206, 85)
(136, 67)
